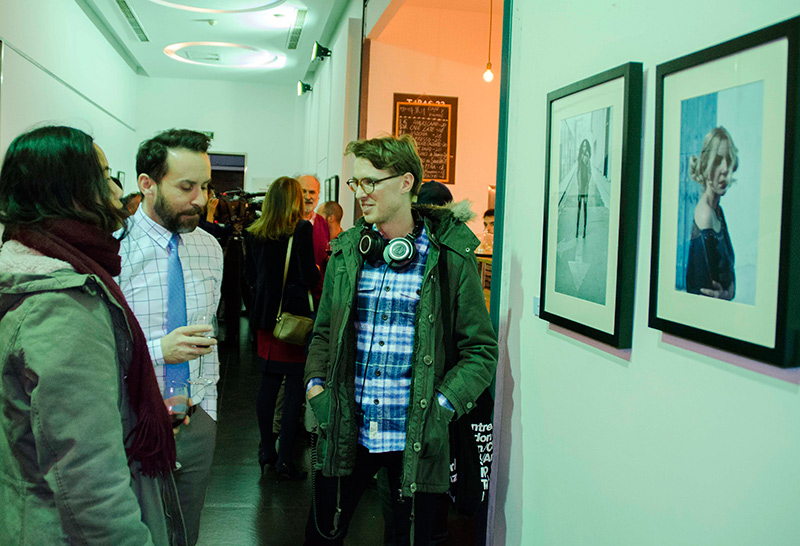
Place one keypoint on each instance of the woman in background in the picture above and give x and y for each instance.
(88, 446)
(584, 176)
(267, 242)
(710, 269)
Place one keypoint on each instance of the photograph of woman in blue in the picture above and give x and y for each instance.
(710, 268)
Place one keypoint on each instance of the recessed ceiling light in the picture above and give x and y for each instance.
(223, 54)
(280, 18)
(221, 6)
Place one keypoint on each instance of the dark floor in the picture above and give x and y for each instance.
(243, 510)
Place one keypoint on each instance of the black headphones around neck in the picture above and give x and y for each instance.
(397, 253)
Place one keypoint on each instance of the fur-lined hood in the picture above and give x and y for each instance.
(16, 258)
(448, 225)
(26, 271)
(462, 210)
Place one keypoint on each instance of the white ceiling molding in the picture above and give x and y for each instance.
(223, 54)
(235, 6)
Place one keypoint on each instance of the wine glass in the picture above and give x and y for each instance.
(176, 397)
(204, 319)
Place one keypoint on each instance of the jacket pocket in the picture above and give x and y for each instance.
(321, 406)
(436, 435)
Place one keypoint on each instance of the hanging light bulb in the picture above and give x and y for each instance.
(488, 75)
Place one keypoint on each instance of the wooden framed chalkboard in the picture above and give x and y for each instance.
(432, 122)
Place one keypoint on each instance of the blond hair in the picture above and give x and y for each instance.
(282, 209)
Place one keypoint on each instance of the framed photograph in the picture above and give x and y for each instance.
(591, 205)
(725, 166)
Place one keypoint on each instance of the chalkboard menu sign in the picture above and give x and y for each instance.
(432, 123)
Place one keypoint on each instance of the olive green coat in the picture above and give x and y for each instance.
(64, 414)
(455, 352)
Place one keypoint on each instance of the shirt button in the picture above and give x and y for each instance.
(427, 360)
(376, 401)
(380, 343)
(413, 487)
(430, 319)
(377, 373)
(423, 403)
(417, 447)
(469, 405)
(385, 317)
(388, 288)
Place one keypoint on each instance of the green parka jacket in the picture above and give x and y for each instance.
(64, 415)
(455, 351)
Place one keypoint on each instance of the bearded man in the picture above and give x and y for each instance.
(172, 273)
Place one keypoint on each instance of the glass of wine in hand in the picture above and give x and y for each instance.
(176, 396)
(204, 376)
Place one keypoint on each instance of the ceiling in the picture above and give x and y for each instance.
(263, 33)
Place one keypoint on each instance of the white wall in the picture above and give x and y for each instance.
(266, 122)
(432, 51)
(660, 445)
(58, 69)
(332, 110)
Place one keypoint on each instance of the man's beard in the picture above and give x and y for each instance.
(172, 219)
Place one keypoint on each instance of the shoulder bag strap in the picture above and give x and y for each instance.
(285, 272)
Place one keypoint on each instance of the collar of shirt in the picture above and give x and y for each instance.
(158, 233)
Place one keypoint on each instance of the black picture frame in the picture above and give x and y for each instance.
(331, 185)
(587, 279)
(726, 123)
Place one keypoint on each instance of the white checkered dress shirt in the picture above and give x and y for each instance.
(143, 280)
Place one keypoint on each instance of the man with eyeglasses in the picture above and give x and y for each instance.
(402, 345)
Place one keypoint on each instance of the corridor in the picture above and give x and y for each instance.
(240, 509)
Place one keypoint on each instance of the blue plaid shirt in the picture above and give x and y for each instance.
(386, 308)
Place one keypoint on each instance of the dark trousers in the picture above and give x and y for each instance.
(292, 406)
(582, 199)
(330, 493)
(195, 447)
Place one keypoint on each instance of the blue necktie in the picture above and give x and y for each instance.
(176, 308)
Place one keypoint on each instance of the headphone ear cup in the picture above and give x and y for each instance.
(400, 252)
(371, 245)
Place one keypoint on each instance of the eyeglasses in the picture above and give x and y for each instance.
(367, 184)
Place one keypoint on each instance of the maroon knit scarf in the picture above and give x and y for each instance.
(91, 250)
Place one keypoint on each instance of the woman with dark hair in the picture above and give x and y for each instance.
(584, 176)
(267, 243)
(88, 446)
(710, 269)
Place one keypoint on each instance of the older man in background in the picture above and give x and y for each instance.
(321, 231)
